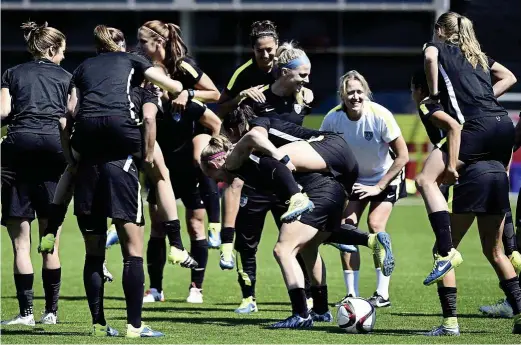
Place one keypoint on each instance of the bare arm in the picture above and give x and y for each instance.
(227, 104)
(253, 140)
(431, 69)
(72, 104)
(6, 103)
(157, 77)
(232, 200)
(399, 147)
(503, 78)
(444, 121)
(206, 91)
(149, 121)
(211, 121)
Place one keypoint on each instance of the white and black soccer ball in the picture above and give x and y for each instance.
(356, 315)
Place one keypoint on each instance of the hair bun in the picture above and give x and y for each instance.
(31, 28)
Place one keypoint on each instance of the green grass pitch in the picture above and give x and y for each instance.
(415, 307)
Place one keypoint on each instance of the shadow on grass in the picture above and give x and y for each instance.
(462, 316)
(40, 332)
(260, 303)
(216, 321)
(72, 298)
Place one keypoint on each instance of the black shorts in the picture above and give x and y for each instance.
(482, 188)
(107, 138)
(329, 198)
(110, 190)
(486, 139)
(394, 192)
(251, 217)
(185, 177)
(339, 158)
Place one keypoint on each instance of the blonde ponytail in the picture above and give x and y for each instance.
(216, 148)
(108, 39)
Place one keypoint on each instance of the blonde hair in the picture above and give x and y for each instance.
(108, 39)
(170, 33)
(216, 145)
(41, 38)
(286, 52)
(353, 75)
(458, 29)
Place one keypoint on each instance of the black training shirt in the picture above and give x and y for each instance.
(436, 135)
(282, 132)
(246, 76)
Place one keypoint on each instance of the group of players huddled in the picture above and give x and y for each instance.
(88, 135)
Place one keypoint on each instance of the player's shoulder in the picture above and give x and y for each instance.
(378, 110)
(337, 110)
(187, 65)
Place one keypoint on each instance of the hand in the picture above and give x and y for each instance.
(149, 161)
(179, 104)
(449, 176)
(366, 191)
(307, 95)
(291, 167)
(254, 93)
(428, 100)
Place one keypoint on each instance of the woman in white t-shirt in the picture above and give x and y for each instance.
(371, 132)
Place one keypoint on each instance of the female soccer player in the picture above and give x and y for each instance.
(381, 152)
(34, 97)
(459, 78)
(162, 42)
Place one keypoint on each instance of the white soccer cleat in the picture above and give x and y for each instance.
(20, 320)
(501, 309)
(49, 319)
(152, 295)
(248, 306)
(195, 296)
(107, 276)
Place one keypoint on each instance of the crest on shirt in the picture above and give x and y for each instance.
(368, 135)
(297, 107)
(244, 201)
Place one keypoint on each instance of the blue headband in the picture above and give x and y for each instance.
(292, 64)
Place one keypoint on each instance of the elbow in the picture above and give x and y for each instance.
(63, 123)
(512, 80)
(6, 110)
(214, 97)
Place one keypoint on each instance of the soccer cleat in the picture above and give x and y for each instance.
(49, 318)
(112, 237)
(344, 248)
(443, 331)
(378, 301)
(343, 300)
(47, 244)
(214, 235)
(195, 295)
(227, 262)
(107, 276)
(248, 306)
(142, 332)
(380, 243)
(294, 321)
(103, 331)
(501, 309)
(298, 205)
(326, 317)
(309, 303)
(442, 266)
(152, 295)
(182, 258)
(517, 324)
(20, 320)
(515, 259)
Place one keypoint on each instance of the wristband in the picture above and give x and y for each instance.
(191, 94)
(285, 160)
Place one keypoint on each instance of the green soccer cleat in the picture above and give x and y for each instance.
(47, 244)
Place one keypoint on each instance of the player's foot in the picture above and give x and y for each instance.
(326, 317)
(227, 261)
(106, 273)
(294, 321)
(182, 258)
(501, 309)
(142, 332)
(248, 305)
(214, 235)
(517, 324)
(309, 303)
(443, 331)
(20, 320)
(343, 300)
(378, 301)
(112, 237)
(380, 243)
(344, 248)
(195, 295)
(298, 205)
(152, 295)
(103, 331)
(49, 318)
(442, 266)
(47, 244)
(515, 259)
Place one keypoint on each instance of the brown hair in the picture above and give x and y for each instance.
(170, 33)
(108, 39)
(41, 38)
(265, 28)
(458, 29)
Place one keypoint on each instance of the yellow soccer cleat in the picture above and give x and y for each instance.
(182, 258)
(298, 205)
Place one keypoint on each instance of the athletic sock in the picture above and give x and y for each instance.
(24, 293)
(512, 292)
(51, 286)
(133, 288)
(351, 282)
(509, 236)
(319, 295)
(448, 299)
(298, 302)
(93, 282)
(57, 215)
(349, 234)
(173, 231)
(227, 235)
(199, 251)
(382, 284)
(440, 222)
(210, 196)
(156, 260)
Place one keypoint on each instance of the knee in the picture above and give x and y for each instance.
(157, 231)
(281, 251)
(420, 180)
(196, 224)
(493, 254)
(375, 225)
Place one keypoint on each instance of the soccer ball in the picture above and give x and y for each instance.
(356, 315)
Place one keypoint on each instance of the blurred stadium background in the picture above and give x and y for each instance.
(382, 39)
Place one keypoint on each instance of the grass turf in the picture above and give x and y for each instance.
(415, 308)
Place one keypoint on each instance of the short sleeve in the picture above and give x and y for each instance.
(327, 124)
(263, 122)
(150, 97)
(431, 44)
(192, 73)
(194, 110)
(6, 79)
(235, 84)
(389, 126)
(139, 63)
(426, 110)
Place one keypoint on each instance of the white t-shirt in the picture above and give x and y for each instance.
(369, 138)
